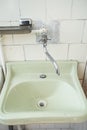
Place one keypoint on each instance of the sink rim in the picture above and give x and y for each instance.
(7, 118)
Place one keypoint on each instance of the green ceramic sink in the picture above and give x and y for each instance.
(28, 98)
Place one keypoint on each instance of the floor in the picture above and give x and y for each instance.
(68, 126)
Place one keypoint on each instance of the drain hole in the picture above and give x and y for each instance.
(43, 76)
(42, 103)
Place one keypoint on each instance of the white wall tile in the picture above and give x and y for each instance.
(78, 52)
(58, 9)
(15, 23)
(24, 39)
(33, 9)
(85, 33)
(58, 51)
(4, 23)
(79, 10)
(7, 39)
(71, 31)
(81, 67)
(13, 53)
(9, 10)
(34, 52)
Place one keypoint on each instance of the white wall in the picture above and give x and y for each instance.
(72, 15)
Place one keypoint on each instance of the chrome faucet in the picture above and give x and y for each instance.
(44, 40)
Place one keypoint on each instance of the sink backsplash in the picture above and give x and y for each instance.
(72, 18)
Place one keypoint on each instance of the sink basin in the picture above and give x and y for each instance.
(28, 98)
(24, 97)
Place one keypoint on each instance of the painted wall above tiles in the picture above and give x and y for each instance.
(9, 10)
(58, 9)
(43, 9)
(72, 18)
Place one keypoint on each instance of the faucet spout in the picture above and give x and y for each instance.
(44, 40)
(52, 60)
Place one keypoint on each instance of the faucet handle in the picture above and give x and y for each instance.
(44, 39)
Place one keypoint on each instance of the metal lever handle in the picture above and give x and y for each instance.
(44, 39)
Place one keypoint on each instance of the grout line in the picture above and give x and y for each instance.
(68, 52)
(46, 17)
(19, 8)
(62, 20)
(20, 44)
(14, 44)
(12, 36)
(83, 31)
(84, 43)
(24, 53)
(46, 10)
(17, 44)
(71, 8)
(12, 39)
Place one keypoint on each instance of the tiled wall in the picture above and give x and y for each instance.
(72, 15)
